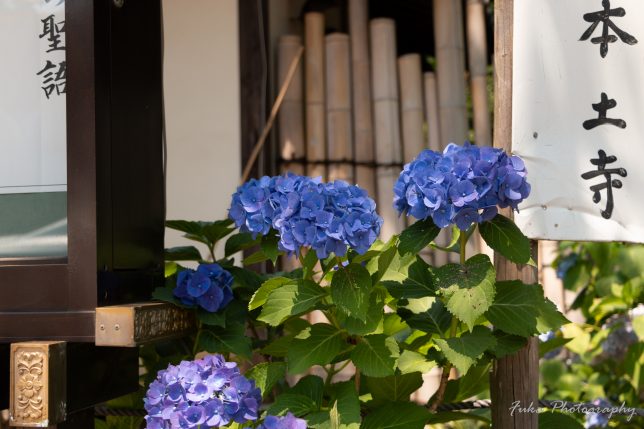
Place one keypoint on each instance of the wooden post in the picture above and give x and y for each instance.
(477, 59)
(387, 120)
(411, 105)
(516, 377)
(338, 107)
(450, 70)
(361, 91)
(314, 77)
(291, 115)
(431, 112)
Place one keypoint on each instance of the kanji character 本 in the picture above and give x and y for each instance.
(610, 183)
(602, 107)
(604, 16)
(51, 30)
(54, 78)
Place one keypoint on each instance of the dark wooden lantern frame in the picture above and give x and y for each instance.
(115, 191)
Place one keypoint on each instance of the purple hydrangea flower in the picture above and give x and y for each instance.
(598, 420)
(209, 287)
(327, 217)
(209, 392)
(289, 421)
(463, 185)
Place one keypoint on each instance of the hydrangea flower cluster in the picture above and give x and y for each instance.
(327, 217)
(289, 421)
(598, 420)
(209, 392)
(463, 185)
(209, 287)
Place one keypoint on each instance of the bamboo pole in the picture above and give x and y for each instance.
(450, 70)
(338, 107)
(431, 112)
(411, 105)
(477, 60)
(291, 115)
(314, 95)
(361, 91)
(514, 377)
(387, 122)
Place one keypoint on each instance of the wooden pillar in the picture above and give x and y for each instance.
(387, 120)
(338, 107)
(450, 70)
(431, 112)
(361, 91)
(477, 60)
(411, 105)
(514, 377)
(314, 95)
(291, 115)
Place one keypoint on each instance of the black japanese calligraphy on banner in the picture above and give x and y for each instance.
(54, 75)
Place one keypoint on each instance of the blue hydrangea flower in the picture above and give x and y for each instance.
(463, 185)
(597, 420)
(209, 287)
(289, 421)
(304, 212)
(208, 392)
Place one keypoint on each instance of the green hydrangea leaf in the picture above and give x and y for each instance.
(434, 320)
(396, 387)
(502, 235)
(464, 351)
(182, 253)
(417, 236)
(397, 415)
(410, 361)
(350, 290)
(289, 300)
(297, 404)
(316, 345)
(259, 297)
(232, 339)
(375, 355)
(239, 242)
(266, 375)
(468, 290)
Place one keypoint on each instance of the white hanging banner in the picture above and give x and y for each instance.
(33, 133)
(577, 108)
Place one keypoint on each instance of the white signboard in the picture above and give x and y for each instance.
(32, 96)
(578, 104)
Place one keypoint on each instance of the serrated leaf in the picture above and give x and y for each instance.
(410, 361)
(464, 351)
(417, 236)
(555, 420)
(469, 289)
(521, 309)
(347, 405)
(435, 320)
(502, 235)
(507, 344)
(269, 246)
(246, 278)
(350, 290)
(397, 415)
(212, 319)
(182, 253)
(376, 355)
(289, 300)
(374, 320)
(316, 345)
(396, 387)
(239, 242)
(311, 386)
(232, 339)
(259, 297)
(255, 258)
(409, 276)
(297, 404)
(418, 282)
(278, 347)
(266, 374)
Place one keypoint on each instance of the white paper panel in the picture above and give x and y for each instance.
(32, 106)
(557, 79)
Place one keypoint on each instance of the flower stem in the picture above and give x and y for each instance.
(462, 247)
(440, 393)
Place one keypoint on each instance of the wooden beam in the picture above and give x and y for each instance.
(515, 377)
(131, 325)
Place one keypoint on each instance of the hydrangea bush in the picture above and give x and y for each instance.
(384, 316)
